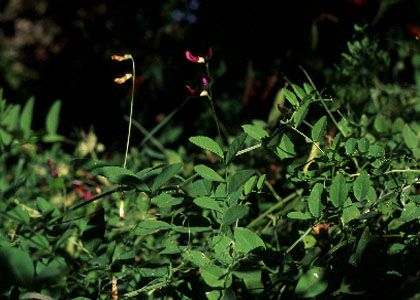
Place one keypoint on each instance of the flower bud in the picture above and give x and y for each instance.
(121, 80)
(121, 58)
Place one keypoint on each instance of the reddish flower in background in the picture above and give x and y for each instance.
(358, 2)
(199, 59)
(190, 90)
(414, 31)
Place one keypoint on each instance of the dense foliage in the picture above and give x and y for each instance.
(317, 199)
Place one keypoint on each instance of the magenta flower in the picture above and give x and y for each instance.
(194, 92)
(199, 59)
(193, 58)
(190, 90)
(205, 80)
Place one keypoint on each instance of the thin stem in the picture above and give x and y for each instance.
(299, 239)
(133, 81)
(281, 202)
(402, 171)
(323, 102)
(210, 97)
(308, 138)
(152, 139)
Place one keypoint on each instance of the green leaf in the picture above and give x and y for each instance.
(350, 211)
(221, 245)
(410, 138)
(252, 280)
(166, 200)
(208, 173)
(54, 271)
(350, 146)
(363, 145)
(234, 147)
(237, 180)
(298, 91)
(291, 97)
(198, 188)
(376, 151)
(18, 265)
(318, 131)
(246, 240)
(314, 200)
(151, 226)
(255, 131)
(196, 257)
(301, 113)
(299, 215)
(19, 215)
(53, 118)
(167, 174)
(338, 190)
(260, 182)
(208, 203)
(215, 276)
(410, 212)
(364, 240)
(381, 124)
(285, 149)
(26, 117)
(308, 88)
(117, 175)
(312, 283)
(207, 144)
(11, 118)
(214, 295)
(250, 184)
(361, 186)
(234, 213)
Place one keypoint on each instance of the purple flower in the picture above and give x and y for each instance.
(205, 80)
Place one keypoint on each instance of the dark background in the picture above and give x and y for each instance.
(61, 50)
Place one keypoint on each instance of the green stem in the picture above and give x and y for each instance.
(210, 97)
(281, 202)
(299, 239)
(152, 138)
(306, 137)
(402, 171)
(133, 80)
(323, 102)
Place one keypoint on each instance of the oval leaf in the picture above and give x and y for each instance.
(338, 190)
(255, 131)
(319, 129)
(208, 173)
(290, 97)
(246, 240)
(234, 213)
(207, 202)
(18, 265)
(300, 114)
(312, 283)
(314, 200)
(167, 173)
(361, 186)
(207, 144)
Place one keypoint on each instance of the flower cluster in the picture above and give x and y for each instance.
(204, 78)
(121, 80)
